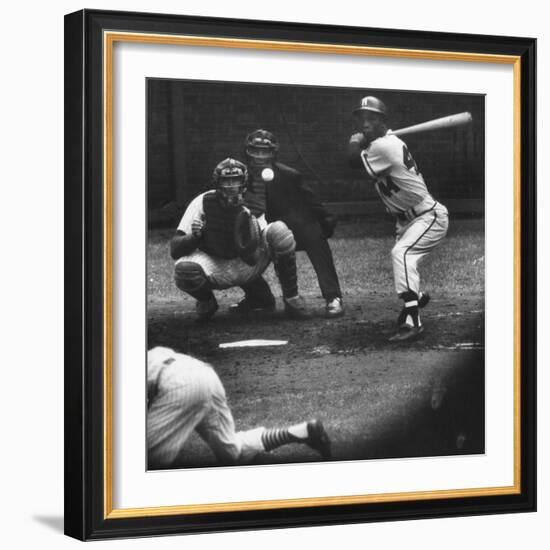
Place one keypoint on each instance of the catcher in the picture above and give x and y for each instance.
(220, 244)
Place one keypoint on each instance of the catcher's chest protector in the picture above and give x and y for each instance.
(255, 197)
(217, 239)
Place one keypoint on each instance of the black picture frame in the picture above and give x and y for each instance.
(87, 511)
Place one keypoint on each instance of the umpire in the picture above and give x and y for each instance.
(281, 193)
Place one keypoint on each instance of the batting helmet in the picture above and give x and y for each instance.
(371, 103)
(230, 179)
(261, 145)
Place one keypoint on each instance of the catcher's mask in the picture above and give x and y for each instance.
(261, 147)
(230, 179)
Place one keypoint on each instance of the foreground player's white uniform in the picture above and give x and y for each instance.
(185, 394)
(422, 222)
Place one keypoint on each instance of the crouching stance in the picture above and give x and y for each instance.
(185, 394)
(220, 244)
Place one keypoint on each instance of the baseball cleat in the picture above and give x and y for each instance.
(317, 438)
(407, 333)
(246, 307)
(206, 308)
(295, 308)
(334, 308)
(422, 302)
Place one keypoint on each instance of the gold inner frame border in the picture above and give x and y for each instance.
(109, 39)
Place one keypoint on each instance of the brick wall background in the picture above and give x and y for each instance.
(192, 125)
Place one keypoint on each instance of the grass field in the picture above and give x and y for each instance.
(377, 399)
(361, 253)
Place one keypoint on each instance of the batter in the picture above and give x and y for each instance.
(421, 221)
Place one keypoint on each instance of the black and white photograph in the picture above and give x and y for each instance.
(300, 275)
(315, 273)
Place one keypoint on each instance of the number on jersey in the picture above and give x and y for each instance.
(408, 160)
(389, 187)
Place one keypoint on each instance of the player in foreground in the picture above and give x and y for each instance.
(421, 221)
(281, 194)
(185, 394)
(219, 244)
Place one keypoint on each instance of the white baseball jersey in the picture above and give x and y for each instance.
(397, 179)
(422, 223)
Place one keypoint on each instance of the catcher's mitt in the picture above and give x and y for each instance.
(246, 236)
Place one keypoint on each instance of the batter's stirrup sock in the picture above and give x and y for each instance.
(276, 437)
(285, 266)
(409, 315)
(408, 296)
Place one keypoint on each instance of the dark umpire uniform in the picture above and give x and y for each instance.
(289, 198)
(293, 201)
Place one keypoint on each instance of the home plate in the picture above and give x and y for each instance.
(253, 343)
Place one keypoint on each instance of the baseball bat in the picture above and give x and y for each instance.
(450, 121)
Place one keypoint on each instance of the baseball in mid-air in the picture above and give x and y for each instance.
(267, 174)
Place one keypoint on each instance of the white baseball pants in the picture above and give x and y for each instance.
(415, 239)
(275, 239)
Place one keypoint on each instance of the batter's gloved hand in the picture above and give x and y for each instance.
(328, 225)
(246, 236)
(358, 139)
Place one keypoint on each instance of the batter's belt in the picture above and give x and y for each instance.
(425, 205)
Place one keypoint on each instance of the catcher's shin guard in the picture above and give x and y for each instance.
(282, 247)
(190, 278)
(285, 267)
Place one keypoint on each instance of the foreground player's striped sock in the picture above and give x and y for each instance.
(276, 437)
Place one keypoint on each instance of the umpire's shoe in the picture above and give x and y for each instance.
(334, 308)
(317, 438)
(206, 307)
(295, 308)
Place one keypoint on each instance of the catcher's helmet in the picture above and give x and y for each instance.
(261, 145)
(230, 179)
(371, 103)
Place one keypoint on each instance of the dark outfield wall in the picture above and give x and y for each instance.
(194, 125)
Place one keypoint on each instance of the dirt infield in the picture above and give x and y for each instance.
(377, 399)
